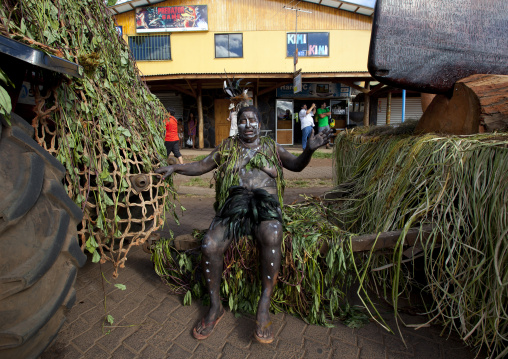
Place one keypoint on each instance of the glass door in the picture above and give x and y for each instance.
(340, 113)
(284, 122)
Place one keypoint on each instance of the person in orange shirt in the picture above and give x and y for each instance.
(171, 140)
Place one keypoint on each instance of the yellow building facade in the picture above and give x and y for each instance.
(190, 75)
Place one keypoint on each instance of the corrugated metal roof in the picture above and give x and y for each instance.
(363, 7)
(258, 73)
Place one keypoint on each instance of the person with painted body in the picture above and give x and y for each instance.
(258, 185)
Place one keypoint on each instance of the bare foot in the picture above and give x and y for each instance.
(264, 328)
(206, 326)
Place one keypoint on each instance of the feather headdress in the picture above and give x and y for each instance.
(237, 93)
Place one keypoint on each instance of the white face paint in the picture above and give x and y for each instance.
(248, 126)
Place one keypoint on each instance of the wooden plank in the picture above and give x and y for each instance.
(386, 240)
(427, 47)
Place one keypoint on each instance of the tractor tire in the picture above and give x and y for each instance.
(39, 249)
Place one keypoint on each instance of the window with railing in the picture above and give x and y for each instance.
(150, 47)
(229, 45)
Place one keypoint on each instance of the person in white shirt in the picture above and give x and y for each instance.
(307, 121)
(233, 130)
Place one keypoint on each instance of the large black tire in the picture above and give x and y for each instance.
(39, 250)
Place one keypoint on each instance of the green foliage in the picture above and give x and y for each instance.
(5, 99)
(108, 126)
(455, 185)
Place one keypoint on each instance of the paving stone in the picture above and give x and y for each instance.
(315, 349)
(93, 315)
(461, 351)
(427, 349)
(290, 348)
(371, 349)
(371, 332)
(84, 305)
(87, 339)
(343, 350)
(73, 329)
(293, 328)
(203, 352)
(265, 351)
(232, 352)
(177, 351)
(150, 352)
(344, 334)
(187, 314)
(60, 350)
(137, 340)
(115, 337)
(395, 345)
(169, 331)
(164, 310)
(122, 353)
(187, 341)
(318, 333)
(243, 334)
(96, 353)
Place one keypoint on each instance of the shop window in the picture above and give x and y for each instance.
(150, 47)
(228, 45)
(313, 44)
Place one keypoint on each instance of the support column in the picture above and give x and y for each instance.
(200, 116)
(388, 108)
(366, 105)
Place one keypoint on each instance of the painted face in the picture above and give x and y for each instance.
(248, 126)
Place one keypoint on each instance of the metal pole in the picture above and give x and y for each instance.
(388, 108)
(403, 105)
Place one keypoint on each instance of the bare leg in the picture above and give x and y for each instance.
(212, 250)
(269, 235)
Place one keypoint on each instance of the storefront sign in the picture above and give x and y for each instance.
(297, 83)
(314, 90)
(309, 44)
(172, 18)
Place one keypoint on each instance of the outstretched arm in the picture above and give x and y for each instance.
(297, 164)
(191, 169)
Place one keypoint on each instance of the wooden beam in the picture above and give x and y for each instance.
(357, 76)
(274, 87)
(385, 240)
(178, 88)
(376, 88)
(359, 88)
(190, 85)
(388, 108)
(200, 116)
(366, 106)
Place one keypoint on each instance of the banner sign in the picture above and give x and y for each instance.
(297, 83)
(309, 44)
(172, 18)
(314, 90)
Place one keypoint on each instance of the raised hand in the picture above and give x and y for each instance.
(165, 171)
(316, 141)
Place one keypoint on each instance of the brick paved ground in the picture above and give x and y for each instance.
(149, 322)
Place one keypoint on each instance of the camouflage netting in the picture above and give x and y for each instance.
(105, 128)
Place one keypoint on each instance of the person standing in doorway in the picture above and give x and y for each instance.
(180, 133)
(233, 130)
(307, 122)
(171, 140)
(323, 114)
(192, 129)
